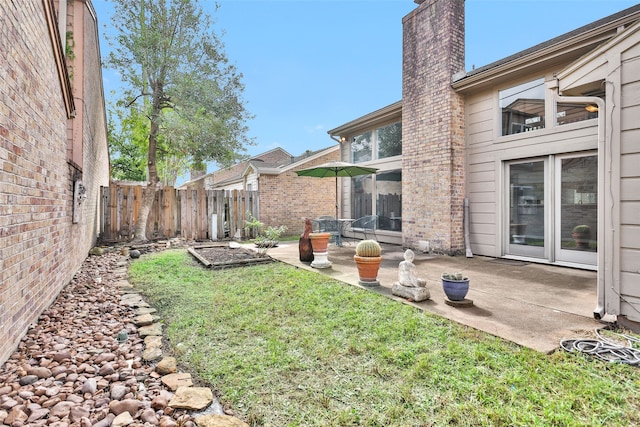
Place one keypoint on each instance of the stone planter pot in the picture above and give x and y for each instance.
(320, 243)
(368, 267)
(455, 290)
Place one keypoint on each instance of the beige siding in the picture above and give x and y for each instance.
(630, 181)
(252, 180)
(630, 141)
(487, 152)
(480, 120)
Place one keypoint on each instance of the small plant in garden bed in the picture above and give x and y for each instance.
(266, 239)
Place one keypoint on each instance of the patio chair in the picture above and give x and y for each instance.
(327, 224)
(367, 225)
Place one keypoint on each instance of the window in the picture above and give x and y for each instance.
(389, 200)
(387, 188)
(387, 143)
(362, 148)
(522, 107)
(570, 113)
(379, 194)
(389, 140)
(362, 188)
(573, 112)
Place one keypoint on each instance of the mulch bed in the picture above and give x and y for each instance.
(224, 256)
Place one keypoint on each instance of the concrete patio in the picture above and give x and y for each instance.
(533, 305)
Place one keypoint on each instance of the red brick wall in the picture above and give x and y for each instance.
(287, 199)
(40, 248)
(433, 126)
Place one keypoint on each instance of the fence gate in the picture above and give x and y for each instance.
(187, 213)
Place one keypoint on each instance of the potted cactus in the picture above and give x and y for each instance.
(455, 286)
(368, 260)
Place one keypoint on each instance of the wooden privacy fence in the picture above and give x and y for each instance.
(195, 214)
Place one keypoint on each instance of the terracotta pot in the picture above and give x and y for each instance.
(319, 241)
(368, 267)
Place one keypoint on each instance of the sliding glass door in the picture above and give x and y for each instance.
(526, 209)
(552, 209)
(577, 209)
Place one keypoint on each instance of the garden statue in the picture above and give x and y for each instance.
(409, 285)
(407, 272)
(304, 245)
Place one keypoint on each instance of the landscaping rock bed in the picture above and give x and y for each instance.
(86, 361)
(70, 368)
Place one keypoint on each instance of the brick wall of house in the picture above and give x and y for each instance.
(40, 248)
(287, 199)
(433, 126)
(95, 171)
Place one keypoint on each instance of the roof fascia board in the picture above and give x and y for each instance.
(58, 54)
(368, 120)
(267, 171)
(226, 182)
(525, 62)
(247, 170)
(595, 59)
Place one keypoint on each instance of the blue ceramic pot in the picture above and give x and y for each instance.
(455, 290)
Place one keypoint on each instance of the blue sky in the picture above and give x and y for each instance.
(313, 65)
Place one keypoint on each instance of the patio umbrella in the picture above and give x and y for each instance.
(336, 169)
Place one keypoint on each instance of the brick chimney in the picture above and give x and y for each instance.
(433, 155)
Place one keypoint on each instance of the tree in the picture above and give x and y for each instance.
(128, 133)
(176, 71)
(127, 144)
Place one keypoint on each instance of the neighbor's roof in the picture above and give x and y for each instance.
(275, 169)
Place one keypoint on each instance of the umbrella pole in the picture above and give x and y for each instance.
(336, 197)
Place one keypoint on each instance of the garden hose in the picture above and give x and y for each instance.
(604, 349)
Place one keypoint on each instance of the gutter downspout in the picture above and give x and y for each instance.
(599, 311)
(467, 241)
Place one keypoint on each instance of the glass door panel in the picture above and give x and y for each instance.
(526, 209)
(577, 209)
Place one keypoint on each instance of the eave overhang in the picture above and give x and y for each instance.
(369, 120)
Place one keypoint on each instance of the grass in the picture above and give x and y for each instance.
(288, 347)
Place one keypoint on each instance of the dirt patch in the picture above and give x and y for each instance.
(225, 256)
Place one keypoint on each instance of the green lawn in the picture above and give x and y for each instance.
(288, 347)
